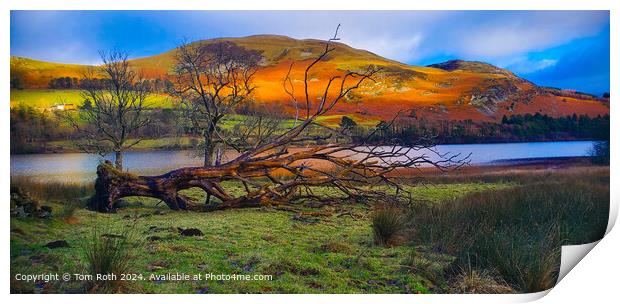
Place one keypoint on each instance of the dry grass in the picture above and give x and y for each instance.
(52, 191)
(479, 281)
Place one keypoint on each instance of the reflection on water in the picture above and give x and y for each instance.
(80, 167)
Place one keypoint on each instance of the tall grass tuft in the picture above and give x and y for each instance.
(469, 280)
(108, 253)
(517, 232)
(387, 223)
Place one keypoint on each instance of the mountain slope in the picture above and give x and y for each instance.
(453, 90)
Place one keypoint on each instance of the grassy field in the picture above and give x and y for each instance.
(165, 143)
(303, 252)
(43, 99)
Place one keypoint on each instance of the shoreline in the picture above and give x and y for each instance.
(62, 150)
(505, 166)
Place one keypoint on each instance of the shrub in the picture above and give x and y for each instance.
(387, 223)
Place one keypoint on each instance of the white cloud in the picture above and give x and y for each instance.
(519, 32)
(396, 48)
(525, 66)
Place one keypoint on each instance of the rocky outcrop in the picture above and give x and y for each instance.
(23, 205)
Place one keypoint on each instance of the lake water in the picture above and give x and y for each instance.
(80, 167)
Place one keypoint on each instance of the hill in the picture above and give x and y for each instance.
(452, 90)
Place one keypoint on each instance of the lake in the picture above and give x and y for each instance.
(80, 167)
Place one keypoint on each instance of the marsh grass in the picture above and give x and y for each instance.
(52, 191)
(527, 175)
(109, 251)
(518, 231)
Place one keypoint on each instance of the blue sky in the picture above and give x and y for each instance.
(566, 49)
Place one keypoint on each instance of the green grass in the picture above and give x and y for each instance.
(43, 99)
(335, 255)
(477, 236)
(164, 143)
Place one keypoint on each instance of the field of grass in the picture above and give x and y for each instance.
(319, 253)
(335, 254)
(164, 143)
(43, 99)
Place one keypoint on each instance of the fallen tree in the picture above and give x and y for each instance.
(273, 175)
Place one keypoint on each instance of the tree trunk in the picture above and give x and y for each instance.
(112, 184)
(207, 157)
(209, 147)
(118, 160)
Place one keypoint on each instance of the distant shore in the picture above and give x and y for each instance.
(505, 166)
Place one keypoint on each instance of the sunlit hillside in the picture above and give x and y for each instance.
(454, 90)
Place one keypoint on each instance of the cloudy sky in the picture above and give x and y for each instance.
(567, 49)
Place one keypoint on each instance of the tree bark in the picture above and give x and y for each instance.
(112, 184)
(207, 157)
(209, 146)
(118, 160)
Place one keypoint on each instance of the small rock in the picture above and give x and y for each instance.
(56, 244)
(46, 209)
(191, 232)
(25, 206)
(19, 212)
(44, 214)
(159, 212)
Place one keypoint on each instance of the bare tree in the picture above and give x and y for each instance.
(117, 108)
(212, 80)
(272, 173)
